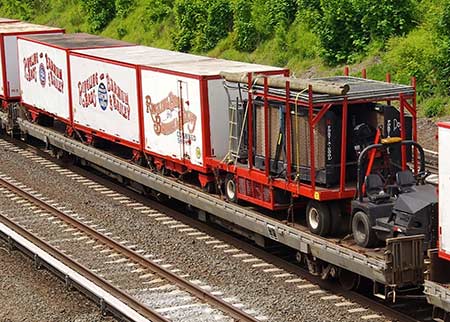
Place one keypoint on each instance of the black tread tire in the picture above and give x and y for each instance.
(363, 234)
(230, 182)
(340, 220)
(210, 187)
(323, 216)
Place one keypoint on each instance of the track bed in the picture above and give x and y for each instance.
(398, 264)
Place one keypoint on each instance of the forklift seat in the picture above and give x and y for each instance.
(405, 180)
(374, 189)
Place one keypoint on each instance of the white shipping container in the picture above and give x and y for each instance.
(44, 78)
(105, 98)
(9, 66)
(8, 20)
(173, 81)
(169, 101)
(444, 189)
(186, 75)
(44, 69)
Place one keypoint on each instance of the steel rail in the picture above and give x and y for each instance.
(195, 290)
(288, 266)
(122, 296)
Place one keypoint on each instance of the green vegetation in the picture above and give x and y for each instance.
(311, 37)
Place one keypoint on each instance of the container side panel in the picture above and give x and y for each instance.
(219, 117)
(2, 68)
(43, 77)
(444, 189)
(12, 66)
(167, 131)
(104, 97)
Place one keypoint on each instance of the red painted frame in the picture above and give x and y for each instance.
(5, 84)
(100, 134)
(205, 117)
(442, 253)
(9, 20)
(300, 189)
(36, 110)
(67, 51)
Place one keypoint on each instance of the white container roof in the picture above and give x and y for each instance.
(7, 20)
(76, 41)
(24, 27)
(173, 61)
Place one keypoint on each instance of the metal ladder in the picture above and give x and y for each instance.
(236, 128)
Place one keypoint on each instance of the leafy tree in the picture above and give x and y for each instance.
(442, 56)
(123, 7)
(346, 27)
(218, 23)
(201, 24)
(269, 15)
(384, 18)
(245, 34)
(99, 13)
(158, 10)
(340, 30)
(23, 9)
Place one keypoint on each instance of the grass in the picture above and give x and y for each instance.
(296, 48)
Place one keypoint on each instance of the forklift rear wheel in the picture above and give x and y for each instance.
(362, 230)
(230, 188)
(210, 187)
(318, 218)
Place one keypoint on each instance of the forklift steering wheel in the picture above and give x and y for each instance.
(421, 176)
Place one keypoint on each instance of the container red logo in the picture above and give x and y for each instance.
(86, 91)
(170, 104)
(102, 89)
(30, 67)
(49, 73)
(55, 75)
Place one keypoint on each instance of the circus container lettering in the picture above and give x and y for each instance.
(105, 98)
(45, 74)
(172, 116)
(11, 62)
(43, 78)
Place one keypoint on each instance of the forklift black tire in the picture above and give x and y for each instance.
(230, 188)
(210, 187)
(340, 220)
(363, 234)
(318, 218)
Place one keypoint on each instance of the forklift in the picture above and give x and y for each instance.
(391, 200)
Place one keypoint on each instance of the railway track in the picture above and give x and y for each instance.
(269, 260)
(133, 285)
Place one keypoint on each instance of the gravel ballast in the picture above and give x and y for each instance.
(259, 287)
(30, 295)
